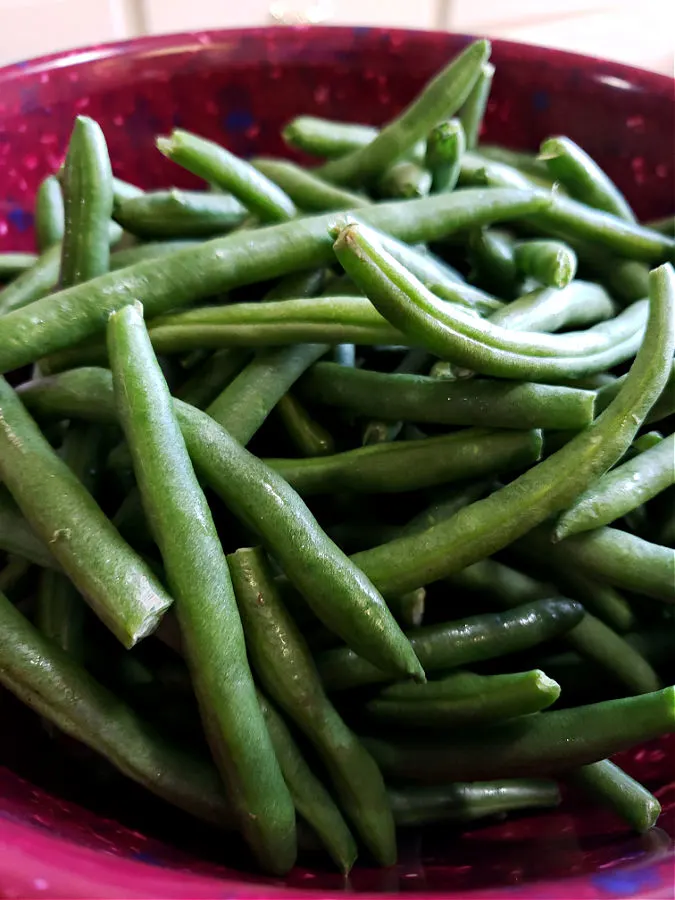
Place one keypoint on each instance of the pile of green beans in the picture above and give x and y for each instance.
(423, 382)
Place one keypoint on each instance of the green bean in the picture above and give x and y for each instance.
(459, 643)
(446, 143)
(323, 137)
(548, 309)
(492, 261)
(466, 699)
(440, 99)
(49, 681)
(310, 797)
(418, 398)
(542, 744)
(123, 190)
(307, 190)
(405, 180)
(473, 111)
(454, 334)
(527, 163)
(220, 167)
(13, 574)
(660, 410)
(625, 279)
(210, 379)
(247, 401)
(300, 284)
(446, 504)
(610, 786)
(308, 435)
(665, 225)
(285, 667)
(552, 263)
(14, 264)
(212, 267)
(33, 283)
(18, 538)
(484, 527)
(611, 555)
(468, 802)
(410, 465)
(132, 255)
(117, 584)
(196, 568)
(582, 178)
(88, 201)
(378, 431)
(174, 213)
(621, 490)
(49, 214)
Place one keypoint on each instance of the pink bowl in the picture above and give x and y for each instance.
(58, 837)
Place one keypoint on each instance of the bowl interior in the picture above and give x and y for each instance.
(61, 831)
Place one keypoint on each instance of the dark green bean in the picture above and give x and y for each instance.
(626, 279)
(285, 667)
(48, 680)
(459, 643)
(446, 142)
(88, 201)
(220, 167)
(466, 699)
(610, 786)
(473, 111)
(541, 744)
(310, 797)
(378, 431)
(404, 180)
(210, 379)
(49, 214)
(307, 190)
(484, 527)
(552, 263)
(208, 269)
(176, 214)
(33, 283)
(440, 99)
(309, 436)
(300, 284)
(17, 537)
(582, 178)
(410, 465)
(492, 262)
(621, 490)
(468, 802)
(14, 573)
(665, 225)
(116, 582)
(418, 398)
(196, 568)
(323, 137)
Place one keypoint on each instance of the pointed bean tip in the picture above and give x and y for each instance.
(164, 144)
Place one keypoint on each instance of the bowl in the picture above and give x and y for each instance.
(60, 836)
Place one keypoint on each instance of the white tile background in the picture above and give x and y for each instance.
(641, 34)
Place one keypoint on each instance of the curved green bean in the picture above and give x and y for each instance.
(49, 213)
(410, 465)
(459, 643)
(484, 527)
(542, 744)
(324, 137)
(552, 263)
(33, 283)
(473, 111)
(621, 490)
(610, 786)
(440, 99)
(308, 435)
(492, 260)
(405, 180)
(307, 190)
(177, 214)
(446, 143)
(285, 667)
(196, 568)
(549, 309)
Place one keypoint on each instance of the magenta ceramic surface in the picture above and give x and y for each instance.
(59, 836)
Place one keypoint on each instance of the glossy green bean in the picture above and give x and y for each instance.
(459, 643)
(220, 167)
(324, 137)
(88, 202)
(440, 99)
(473, 111)
(582, 178)
(465, 340)
(493, 265)
(33, 283)
(207, 269)
(414, 806)
(14, 264)
(307, 190)
(549, 309)
(552, 263)
(285, 667)
(179, 214)
(398, 466)
(196, 569)
(545, 743)
(466, 699)
(310, 438)
(610, 786)
(247, 401)
(310, 797)
(418, 398)
(208, 380)
(621, 490)
(484, 527)
(446, 142)
(47, 679)
(117, 584)
(49, 214)
(404, 180)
